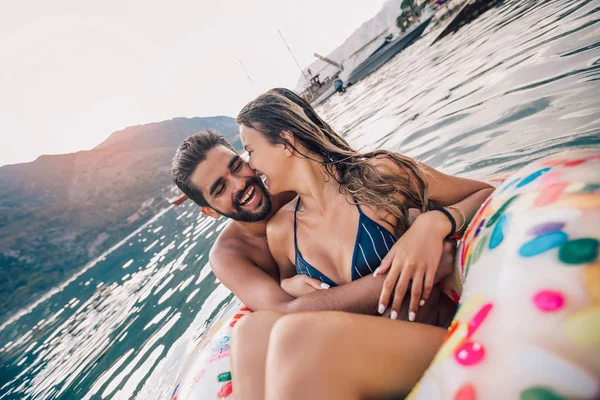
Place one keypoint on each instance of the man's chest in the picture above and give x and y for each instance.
(256, 249)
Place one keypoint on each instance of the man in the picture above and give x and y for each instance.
(207, 168)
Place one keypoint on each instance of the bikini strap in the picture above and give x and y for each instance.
(359, 209)
(295, 211)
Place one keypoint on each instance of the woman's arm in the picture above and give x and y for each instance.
(425, 236)
(445, 190)
(463, 194)
(415, 256)
(449, 189)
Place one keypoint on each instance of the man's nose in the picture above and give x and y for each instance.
(239, 184)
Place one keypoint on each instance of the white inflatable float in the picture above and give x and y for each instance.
(528, 323)
(207, 374)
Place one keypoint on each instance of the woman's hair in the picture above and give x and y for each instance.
(283, 110)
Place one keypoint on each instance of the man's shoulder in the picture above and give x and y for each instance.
(229, 242)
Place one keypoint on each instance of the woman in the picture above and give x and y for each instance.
(350, 210)
(351, 207)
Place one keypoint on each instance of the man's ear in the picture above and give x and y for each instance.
(209, 212)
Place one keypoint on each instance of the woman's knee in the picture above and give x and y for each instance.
(255, 323)
(305, 335)
(249, 351)
(288, 332)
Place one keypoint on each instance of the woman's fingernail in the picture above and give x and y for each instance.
(394, 315)
(411, 316)
(325, 286)
(381, 309)
(421, 303)
(376, 271)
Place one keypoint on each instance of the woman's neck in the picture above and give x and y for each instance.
(314, 186)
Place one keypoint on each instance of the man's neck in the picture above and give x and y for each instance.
(259, 228)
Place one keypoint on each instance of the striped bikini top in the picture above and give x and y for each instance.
(373, 242)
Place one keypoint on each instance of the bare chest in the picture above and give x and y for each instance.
(256, 249)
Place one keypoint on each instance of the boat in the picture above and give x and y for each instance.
(385, 52)
(318, 91)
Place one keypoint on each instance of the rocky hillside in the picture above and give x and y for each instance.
(60, 211)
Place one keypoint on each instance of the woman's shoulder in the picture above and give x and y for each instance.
(281, 225)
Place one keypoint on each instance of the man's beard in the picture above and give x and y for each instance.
(251, 216)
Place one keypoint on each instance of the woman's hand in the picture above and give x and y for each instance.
(415, 256)
(299, 285)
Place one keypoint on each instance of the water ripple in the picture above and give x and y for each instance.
(519, 83)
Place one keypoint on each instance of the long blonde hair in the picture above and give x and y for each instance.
(283, 110)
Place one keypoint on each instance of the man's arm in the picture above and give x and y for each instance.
(360, 296)
(259, 291)
(231, 263)
(250, 283)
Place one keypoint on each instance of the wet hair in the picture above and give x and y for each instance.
(279, 110)
(189, 154)
(308, 110)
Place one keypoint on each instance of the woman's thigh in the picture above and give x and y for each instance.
(336, 355)
(249, 353)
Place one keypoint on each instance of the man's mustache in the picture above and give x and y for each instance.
(240, 194)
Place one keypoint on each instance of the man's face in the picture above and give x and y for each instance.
(231, 187)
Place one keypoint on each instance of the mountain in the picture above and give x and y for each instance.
(168, 133)
(60, 211)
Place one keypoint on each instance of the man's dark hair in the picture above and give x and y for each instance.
(189, 154)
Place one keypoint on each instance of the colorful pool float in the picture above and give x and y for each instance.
(207, 373)
(528, 323)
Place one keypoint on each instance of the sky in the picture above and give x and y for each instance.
(72, 72)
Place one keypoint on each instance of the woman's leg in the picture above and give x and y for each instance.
(249, 354)
(333, 355)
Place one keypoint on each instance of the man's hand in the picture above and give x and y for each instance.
(446, 260)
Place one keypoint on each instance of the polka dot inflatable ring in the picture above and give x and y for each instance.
(206, 374)
(528, 322)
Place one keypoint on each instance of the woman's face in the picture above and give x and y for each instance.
(266, 159)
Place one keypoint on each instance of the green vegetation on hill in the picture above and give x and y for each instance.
(59, 212)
